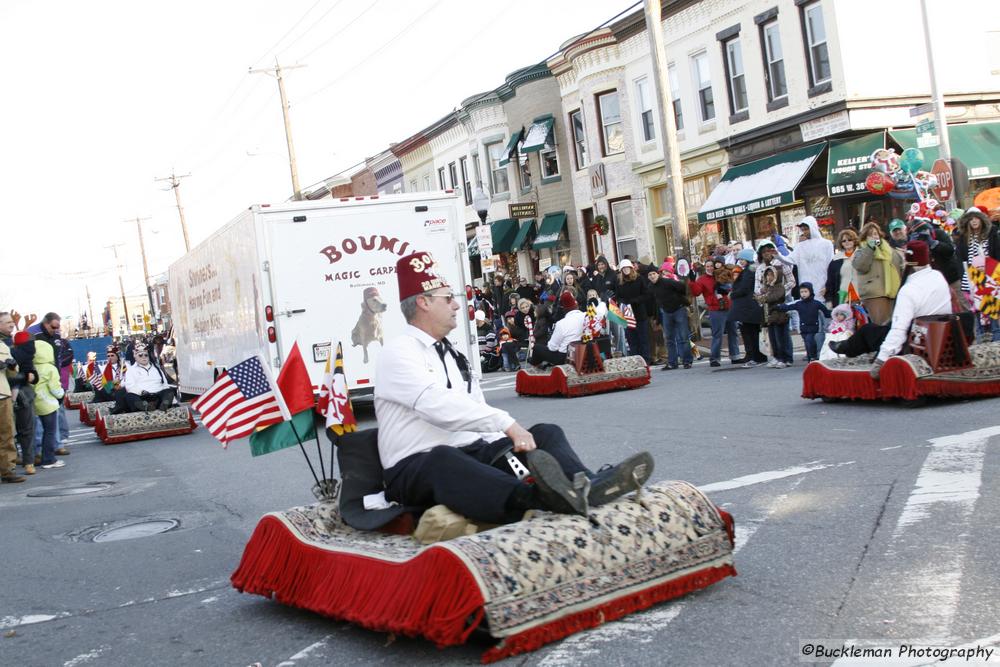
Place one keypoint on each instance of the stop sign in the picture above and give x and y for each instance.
(945, 182)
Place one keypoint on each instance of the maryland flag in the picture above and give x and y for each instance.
(334, 402)
(985, 279)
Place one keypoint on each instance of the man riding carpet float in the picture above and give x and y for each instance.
(440, 443)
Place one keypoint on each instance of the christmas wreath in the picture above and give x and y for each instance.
(601, 225)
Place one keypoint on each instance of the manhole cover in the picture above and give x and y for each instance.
(78, 490)
(135, 530)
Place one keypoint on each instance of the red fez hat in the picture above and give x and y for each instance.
(567, 300)
(21, 337)
(417, 273)
(918, 252)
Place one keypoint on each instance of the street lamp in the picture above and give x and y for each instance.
(481, 202)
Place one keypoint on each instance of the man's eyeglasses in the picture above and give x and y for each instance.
(447, 297)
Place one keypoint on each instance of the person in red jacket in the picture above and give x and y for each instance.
(717, 303)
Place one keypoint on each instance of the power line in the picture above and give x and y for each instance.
(353, 69)
(345, 27)
(296, 25)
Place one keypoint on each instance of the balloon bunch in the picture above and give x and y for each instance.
(899, 176)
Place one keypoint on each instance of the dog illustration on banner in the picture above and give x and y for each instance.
(369, 326)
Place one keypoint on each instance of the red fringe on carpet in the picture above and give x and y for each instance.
(535, 638)
(541, 385)
(898, 380)
(101, 428)
(555, 384)
(818, 381)
(433, 595)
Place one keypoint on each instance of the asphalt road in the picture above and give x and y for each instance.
(854, 521)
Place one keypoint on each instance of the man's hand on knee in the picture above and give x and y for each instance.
(521, 437)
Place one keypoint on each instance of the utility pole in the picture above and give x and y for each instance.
(175, 184)
(121, 286)
(145, 265)
(292, 166)
(90, 309)
(668, 130)
(940, 118)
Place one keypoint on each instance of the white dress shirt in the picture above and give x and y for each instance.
(139, 379)
(567, 330)
(415, 409)
(925, 292)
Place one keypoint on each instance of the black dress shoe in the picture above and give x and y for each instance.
(714, 363)
(838, 346)
(668, 367)
(741, 360)
(555, 490)
(612, 482)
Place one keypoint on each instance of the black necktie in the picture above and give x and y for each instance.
(443, 346)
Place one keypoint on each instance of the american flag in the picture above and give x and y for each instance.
(243, 399)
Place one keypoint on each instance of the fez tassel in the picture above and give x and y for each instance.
(433, 595)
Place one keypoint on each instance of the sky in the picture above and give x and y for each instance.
(101, 98)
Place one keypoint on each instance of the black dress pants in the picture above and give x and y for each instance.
(541, 353)
(161, 399)
(867, 338)
(463, 479)
(751, 342)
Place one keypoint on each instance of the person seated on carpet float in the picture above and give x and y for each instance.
(146, 387)
(114, 391)
(567, 330)
(440, 443)
(924, 292)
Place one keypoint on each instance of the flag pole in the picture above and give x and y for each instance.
(302, 447)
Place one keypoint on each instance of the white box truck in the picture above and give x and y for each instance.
(318, 273)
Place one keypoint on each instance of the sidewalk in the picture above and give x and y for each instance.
(798, 346)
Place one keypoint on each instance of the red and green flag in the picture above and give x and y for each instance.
(296, 388)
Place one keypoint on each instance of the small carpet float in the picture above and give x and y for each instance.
(73, 399)
(526, 584)
(88, 411)
(114, 429)
(909, 377)
(565, 380)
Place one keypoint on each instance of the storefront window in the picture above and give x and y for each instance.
(822, 209)
(621, 218)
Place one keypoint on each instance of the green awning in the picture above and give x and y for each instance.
(759, 185)
(508, 151)
(549, 230)
(847, 165)
(503, 232)
(473, 246)
(977, 145)
(539, 135)
(527, 227)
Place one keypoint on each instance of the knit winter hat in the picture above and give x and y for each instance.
(747, 255)
(667, 266)
(21, 337)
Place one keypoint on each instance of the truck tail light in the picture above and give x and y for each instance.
(269, 313)
(468, 292)
(472, 312)
(272, 336)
